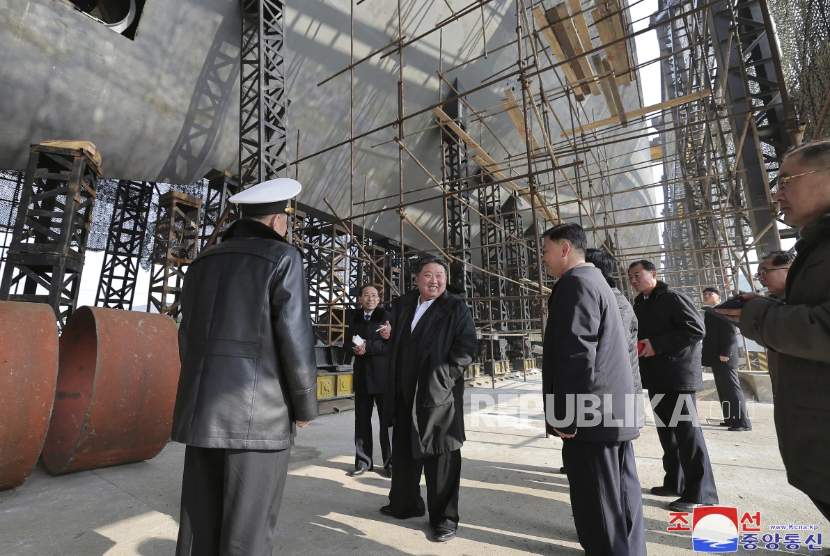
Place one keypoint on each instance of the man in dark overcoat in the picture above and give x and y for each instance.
(585, 363)
(432, 343)
(671, 329)
(720, 353)
(370, 371)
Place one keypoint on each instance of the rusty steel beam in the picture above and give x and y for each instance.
(28, 373)
(119, 371)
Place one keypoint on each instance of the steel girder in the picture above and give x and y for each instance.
(754, 82)
(175, 246)
(518, 265)
(492, 251)
(128, 227)
(221, 186)
(263, 149)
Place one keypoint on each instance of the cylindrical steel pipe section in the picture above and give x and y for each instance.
(119, 371)
(28, 370)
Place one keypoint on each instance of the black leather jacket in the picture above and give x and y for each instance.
(246, 344)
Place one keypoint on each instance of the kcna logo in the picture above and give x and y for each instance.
(715, 529)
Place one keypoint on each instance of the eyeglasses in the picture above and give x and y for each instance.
(370, 296)
(785, 181)
(764, 271)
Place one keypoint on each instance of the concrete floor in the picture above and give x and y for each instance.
(513, 500)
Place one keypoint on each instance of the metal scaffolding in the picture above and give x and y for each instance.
(724, 120)
(719, 132)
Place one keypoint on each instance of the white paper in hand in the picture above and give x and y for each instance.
(358, 341)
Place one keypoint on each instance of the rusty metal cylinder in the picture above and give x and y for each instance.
(119, 371)
(28, 370)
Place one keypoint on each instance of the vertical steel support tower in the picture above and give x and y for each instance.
(50, 234)
(128, 227)
(263, 149)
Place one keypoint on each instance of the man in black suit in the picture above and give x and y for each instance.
(369, 379)
(586, 361)
(720, 352)
(432, 343)
(671, 329)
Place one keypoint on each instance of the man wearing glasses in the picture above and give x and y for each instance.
(797, 332)
(369, 379)
(772, 272)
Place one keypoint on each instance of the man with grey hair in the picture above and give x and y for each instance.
(432, 342)
(797, 331)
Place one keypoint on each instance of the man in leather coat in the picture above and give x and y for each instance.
(432, 343)
(248, 378)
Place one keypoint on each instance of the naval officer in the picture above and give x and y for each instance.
(248, 378)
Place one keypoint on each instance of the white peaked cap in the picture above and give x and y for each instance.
(268, 197)
(271, 191)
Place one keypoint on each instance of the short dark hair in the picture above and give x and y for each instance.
(713, 290)
(572, 233)
(364, 286)
(812, 153)
(431, 259)
(647, 265)
(779, 258)
(604, 262)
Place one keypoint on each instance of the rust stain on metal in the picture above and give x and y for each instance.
(29, 347)
(113, 406)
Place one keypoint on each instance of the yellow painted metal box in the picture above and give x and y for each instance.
(344, 384)
(325, 386)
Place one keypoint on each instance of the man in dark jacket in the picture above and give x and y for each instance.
(248, 375)
(720, 352)
(369, 379)
(432, 343)
(585, 361)
(797, 332)
(670, 331)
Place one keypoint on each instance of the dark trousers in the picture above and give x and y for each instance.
(685, 458)
(730, 394)
(230, 501)
(606, 497)
(443, 474)
(363, 406)
(823, 507)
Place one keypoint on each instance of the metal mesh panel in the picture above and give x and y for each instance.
(101, 216)
(803, 28)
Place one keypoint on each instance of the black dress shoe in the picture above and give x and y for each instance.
(443, 535)
(664, 491)
(387, 510)
(357, 472)
(736, 428)
(678, 506)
